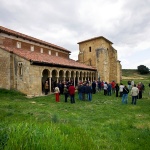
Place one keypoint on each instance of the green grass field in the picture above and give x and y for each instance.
(40, 123)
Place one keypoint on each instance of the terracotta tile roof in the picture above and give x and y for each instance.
(20, 35)
(94, 39)
(48, 59)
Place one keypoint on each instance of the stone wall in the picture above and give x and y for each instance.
(21, 81)
(18, 73)
(119, 72)
(30, 81)
(26, 45)
(102, 56)
(4, 69)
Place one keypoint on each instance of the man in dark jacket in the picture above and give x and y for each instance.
(83, 91)
(94, 87)
(79, 91)
(88, 91)
(125, 95)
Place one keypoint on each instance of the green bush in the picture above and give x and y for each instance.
(143, 69)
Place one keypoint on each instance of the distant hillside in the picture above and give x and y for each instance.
(133, 74)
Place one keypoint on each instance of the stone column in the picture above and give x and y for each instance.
(42, 85)
(64, 79)
(50, 84)
(74, 81)
(92, 77)
(78, 79)
(57, 79)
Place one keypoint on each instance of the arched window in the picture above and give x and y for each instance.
(20, 68)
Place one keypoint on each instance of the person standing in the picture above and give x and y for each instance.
(79, 91)
(71, 91)
(140, 90)
(46, 87)
(132, 83)
(102, 85)
(121, 89)
(83, 91)
(99, 86)
(113, 84)
(129, 85)
(105, 88)
(61, 87)
(125, 95)
(94, 87)
(109, 89)
(65, 92)
(117, 89)
(88, 91)
(134, 94)
(57, 91)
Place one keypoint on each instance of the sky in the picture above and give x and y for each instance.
(126, 23)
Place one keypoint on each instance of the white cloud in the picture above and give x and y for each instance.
(126, 23)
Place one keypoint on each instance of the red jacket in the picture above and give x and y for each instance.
(113, 84)
(71, 90)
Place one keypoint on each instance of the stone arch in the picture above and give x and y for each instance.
(80, 75)
(72, 75)
(87, 76)
(77, 77)
(93, 76)
(55, 74)
(90, 76)
(68, 75)
(54, 79)
(77, 73)
(61, 75)
(84, 76)
(45, 77)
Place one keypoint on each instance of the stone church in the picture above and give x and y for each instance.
(27, 62)
(99, 53)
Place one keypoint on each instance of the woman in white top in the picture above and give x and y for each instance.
(134, 94)
(121, 89)
(57, 91)
(105, 88)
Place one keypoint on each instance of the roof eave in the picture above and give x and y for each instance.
(32, 62)
(94, 39)
(26, 37)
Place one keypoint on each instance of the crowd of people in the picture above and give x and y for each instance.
(68, 89)
(87, 88)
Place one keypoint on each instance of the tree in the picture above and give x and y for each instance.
(143, 69)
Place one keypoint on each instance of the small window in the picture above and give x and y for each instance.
(56, 53)
(49, 52)
(90, 49)
(41, 50)
(32, 48)
(18, 44)
(20, 70)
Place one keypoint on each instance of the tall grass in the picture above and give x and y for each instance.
(37, 136)
(40, 123)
